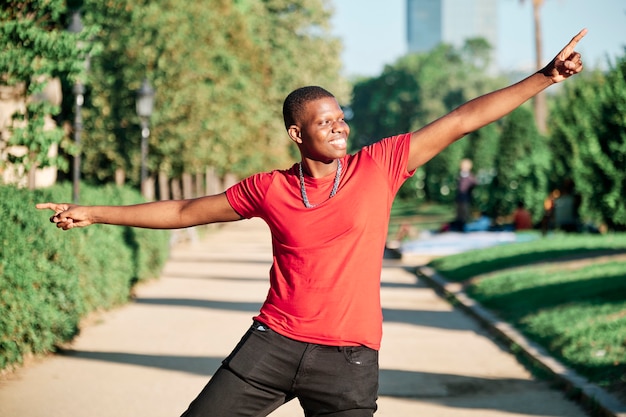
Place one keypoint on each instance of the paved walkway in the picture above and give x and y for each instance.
(151, 357)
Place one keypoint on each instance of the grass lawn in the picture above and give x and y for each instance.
(418, 216)
(565, 292)
(542, 249)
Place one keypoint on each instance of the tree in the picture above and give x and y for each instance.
(522, 166)
(298, 48)
(412, 92)
(220, 69)
(589, 139)
(539, 101)
(482, 149)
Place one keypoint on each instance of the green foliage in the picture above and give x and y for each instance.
(36, 43)
(513, 162)
(416, 90)
(522, 166)
(482, 149)
(407, 95)
(51, 279)
(40, 291)
(36, 49)
(221, 70)
(589, 136)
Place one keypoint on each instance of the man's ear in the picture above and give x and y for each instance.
(295, 134)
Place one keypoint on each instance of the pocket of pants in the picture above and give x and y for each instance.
(239, 345)
(360, 355)
(253, 351)
(265, 358)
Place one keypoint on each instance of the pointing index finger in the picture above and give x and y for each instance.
(52, 206)
(569, 48)
(577, 38)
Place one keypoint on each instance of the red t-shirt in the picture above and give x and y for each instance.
(325, 276)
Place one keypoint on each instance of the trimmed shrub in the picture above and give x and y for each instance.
(51, 279)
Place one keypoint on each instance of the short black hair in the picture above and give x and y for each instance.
(297, 99)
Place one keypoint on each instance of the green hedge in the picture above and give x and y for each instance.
(50, 279)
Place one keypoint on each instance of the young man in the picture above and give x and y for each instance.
(318, 333)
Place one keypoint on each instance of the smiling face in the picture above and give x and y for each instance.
(321, 132)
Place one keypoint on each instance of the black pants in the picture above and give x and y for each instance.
(266, 370)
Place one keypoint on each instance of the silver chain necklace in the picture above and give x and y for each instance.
(305, 199)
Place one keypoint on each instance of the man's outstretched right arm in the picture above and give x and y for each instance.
(171, 214)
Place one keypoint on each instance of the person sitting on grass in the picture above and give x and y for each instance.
(522, 220)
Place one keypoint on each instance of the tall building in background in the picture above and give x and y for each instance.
(430, 22)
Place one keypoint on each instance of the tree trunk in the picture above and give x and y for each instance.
(32, 177)
(541, 109)
(213, 184)
(230, 179)
(120, 177)
(164, 186)
(187, 179)
(176, 191)
(147, 188)
(199, 181)
(187, 185)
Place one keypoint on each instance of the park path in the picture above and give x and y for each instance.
(152, 356)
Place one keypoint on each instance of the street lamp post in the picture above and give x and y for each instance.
(79, 91)
(76, 26)
(145, 105)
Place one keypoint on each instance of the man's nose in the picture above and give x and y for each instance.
(339, 126)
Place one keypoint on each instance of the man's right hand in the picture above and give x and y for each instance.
(67, 216)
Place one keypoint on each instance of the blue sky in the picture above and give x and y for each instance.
(374, 32)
